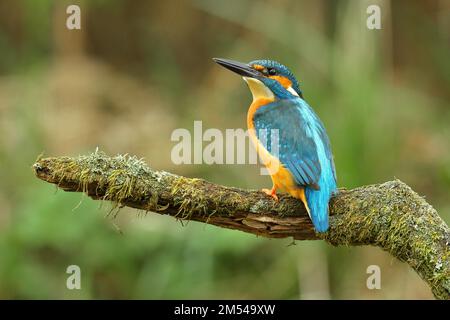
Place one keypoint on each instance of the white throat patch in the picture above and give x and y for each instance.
(258, 89)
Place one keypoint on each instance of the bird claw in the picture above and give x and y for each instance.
(271, 193)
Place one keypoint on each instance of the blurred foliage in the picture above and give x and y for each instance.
(139, 69)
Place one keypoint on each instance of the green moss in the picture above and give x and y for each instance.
(390, 215)
(188, 198)
(119, 175)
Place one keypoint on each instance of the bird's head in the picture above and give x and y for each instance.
(265, 78)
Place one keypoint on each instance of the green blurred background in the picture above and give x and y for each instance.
(139, 69)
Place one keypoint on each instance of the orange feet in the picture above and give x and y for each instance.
(272, 193)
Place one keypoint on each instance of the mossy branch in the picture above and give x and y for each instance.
(389, 215)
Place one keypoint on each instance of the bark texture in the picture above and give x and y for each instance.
(388, 215)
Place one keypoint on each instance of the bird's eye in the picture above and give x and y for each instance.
(272, 71)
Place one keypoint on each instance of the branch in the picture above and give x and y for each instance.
(389, 215)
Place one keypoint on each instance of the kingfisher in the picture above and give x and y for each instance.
(301, 162)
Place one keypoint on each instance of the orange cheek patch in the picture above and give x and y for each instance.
(285, 82)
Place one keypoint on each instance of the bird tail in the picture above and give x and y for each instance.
(317, 212)
(318, 207)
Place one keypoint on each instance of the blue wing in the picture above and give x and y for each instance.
(297, 150)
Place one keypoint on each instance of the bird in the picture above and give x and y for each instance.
(301, 162)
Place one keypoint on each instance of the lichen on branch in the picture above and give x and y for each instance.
(389, 215)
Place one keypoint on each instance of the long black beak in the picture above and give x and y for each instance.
(240, 68)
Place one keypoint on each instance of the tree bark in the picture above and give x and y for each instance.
(388, 215)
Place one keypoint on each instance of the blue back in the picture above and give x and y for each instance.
(304, 148)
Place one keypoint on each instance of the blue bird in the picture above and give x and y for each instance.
(300, 162)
